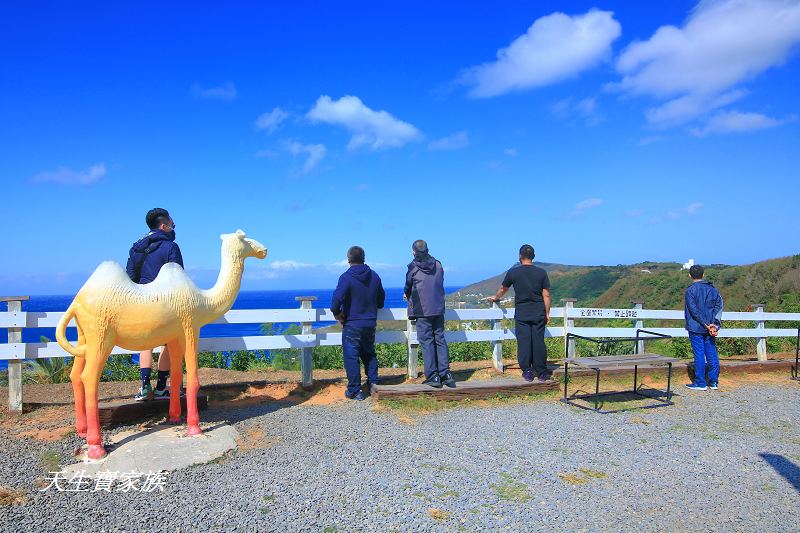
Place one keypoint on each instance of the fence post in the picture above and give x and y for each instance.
(569, 303)
(15, 365)
(412, 349)
(497, 346)
(638, 324)
(307, 354)
(761, 342)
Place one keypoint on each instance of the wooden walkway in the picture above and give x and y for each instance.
(127, 411)
(464, 389)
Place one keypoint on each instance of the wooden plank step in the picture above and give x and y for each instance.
(477, 389)
(128, 411)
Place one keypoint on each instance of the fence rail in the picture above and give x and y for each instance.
(15, 320)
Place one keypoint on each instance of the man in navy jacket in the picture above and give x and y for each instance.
(703, 310)
(145, 259)
(424, 290)
(356, 300)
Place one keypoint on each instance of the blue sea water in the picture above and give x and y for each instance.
(245, 300)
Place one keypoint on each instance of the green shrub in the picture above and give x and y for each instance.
(212, 360)
(120, 367)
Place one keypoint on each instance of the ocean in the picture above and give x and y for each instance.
(245, 300)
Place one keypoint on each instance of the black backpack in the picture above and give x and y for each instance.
(138, 259)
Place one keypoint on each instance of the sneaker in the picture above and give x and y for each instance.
(694, 386)
(544, 378)
(145, 393)
(449, 380)
(161, 393)
(359, 396)
(434, 381)
(713, 386)
(528, 375)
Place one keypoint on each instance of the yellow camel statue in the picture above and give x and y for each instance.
(111, 310)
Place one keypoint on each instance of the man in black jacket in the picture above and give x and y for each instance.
(145, 259)
(424, 290)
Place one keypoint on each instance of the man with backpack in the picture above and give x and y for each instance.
(146, 257)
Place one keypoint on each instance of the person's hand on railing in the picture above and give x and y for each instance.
(492, 299)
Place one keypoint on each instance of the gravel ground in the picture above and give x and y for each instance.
(717, 461)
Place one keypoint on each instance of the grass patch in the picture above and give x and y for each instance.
(49, 461)
(510, 489)
(593, 473)
(450, 494)
(572, 479)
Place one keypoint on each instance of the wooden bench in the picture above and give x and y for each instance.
(127, 411)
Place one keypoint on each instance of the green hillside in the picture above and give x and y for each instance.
(775, 283)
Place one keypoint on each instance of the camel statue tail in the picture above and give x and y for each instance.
(77, 351)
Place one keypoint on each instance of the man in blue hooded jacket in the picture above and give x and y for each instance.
(703, 310)
(424, 290)
(145, 259)
(356, 300)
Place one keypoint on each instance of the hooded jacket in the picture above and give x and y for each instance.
(358, 296)
(152, 251)
(703, 306)
(425, 287)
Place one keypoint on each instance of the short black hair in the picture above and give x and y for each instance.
(355, 255)
(526, 252)
(696, 271)
(419, 247)
(155, 217)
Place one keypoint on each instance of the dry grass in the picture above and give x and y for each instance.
(9, 496)
(572, 479)
(438, 514)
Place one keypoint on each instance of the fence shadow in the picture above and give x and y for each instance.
(785, 467)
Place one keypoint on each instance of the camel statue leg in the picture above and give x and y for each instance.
(175, 349)
(96, 356)
(78, 364)
(192, 383)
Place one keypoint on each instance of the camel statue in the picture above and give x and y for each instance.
(111, 310)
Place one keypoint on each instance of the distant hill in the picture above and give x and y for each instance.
(775, 283)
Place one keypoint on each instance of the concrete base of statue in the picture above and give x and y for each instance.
(161, 448)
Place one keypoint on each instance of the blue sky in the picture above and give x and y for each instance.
(600, 132)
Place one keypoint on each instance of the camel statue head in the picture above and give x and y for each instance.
(239, 246)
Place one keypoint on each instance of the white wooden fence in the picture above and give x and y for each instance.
(15, 351)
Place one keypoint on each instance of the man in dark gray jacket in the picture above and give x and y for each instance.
(424, 291)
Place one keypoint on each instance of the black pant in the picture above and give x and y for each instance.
(531, 350)
(430, 335)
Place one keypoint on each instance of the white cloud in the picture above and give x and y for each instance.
(377, 129)
(67, 176)
(588, 204)
(313, 152)
(554, 48)
(697, 68)
(583, 205)
(289, 264)
(226, 91)
(737, 122)
(689, 210)
(455, 141)
(271, 120)
(510, 152)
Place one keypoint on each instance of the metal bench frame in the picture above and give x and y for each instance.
(666, 361)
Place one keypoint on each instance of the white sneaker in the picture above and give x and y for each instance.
(692, 386)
